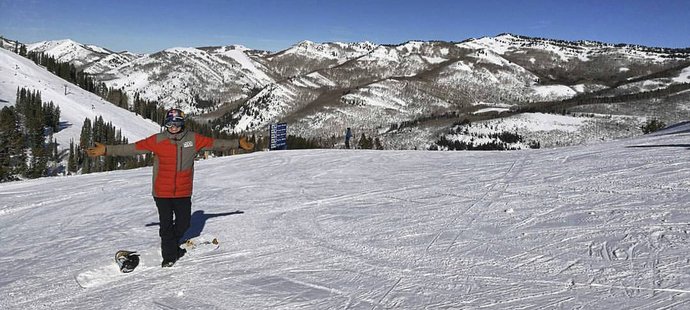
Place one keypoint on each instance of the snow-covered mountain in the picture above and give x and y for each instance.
(89, 58)
(176, 76)
(408, 94)
(307, 56)
(75, 103)
(598, 227)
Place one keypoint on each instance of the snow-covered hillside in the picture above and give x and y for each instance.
(75, 103)
(563, 50)
(90, 58)
(597, 227)
(176, 77)
(306, 57)
(69, 51)
(404, 83)
(340, 52)
(323, 88)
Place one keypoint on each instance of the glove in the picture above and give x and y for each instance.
(94, 151)
(245, 145)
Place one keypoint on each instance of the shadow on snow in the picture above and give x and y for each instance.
(198, 222)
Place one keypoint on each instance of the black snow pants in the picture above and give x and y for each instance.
(172, 230)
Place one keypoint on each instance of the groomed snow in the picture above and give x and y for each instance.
(604, 226)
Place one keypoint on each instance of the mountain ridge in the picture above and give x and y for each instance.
(301, 83)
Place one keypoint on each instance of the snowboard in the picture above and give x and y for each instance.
(128, 261)
(125, 262)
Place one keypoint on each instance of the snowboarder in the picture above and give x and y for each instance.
(173, 171)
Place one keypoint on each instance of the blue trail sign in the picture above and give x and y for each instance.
(278, 136)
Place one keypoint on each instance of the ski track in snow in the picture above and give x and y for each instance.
(594, 227)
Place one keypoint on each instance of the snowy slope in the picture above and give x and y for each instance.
(75, 107)
(593, 227)
(69, 51)
(238, 54)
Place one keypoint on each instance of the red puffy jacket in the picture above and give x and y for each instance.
(173, 164)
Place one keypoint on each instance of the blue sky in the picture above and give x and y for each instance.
(148, 26)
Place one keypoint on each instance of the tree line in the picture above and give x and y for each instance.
(100, 131)
(19, 48)
(27, 149)
(499, 141)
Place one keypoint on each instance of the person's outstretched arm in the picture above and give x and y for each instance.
(140, 147)
(206, 143)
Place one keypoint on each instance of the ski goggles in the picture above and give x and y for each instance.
(176, 122)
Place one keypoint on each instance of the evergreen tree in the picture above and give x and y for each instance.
(118, 97)
(12, 157)
(72, 159)
(106, 133)
(54, 146)
(652, 125)
(36, 120)
(365, 143)
(86, 165)
(51, 115)
(85, 136)
(377, 144)
(38, 163)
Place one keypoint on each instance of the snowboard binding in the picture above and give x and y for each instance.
(127, 260)
(198, 245)
(193, 243)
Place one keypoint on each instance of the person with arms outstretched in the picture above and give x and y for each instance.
(173, 174)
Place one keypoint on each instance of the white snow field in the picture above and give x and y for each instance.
(602, 226)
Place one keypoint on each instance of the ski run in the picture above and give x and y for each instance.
(603, 226)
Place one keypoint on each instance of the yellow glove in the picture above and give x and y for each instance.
(98, 150)
(245, 145)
